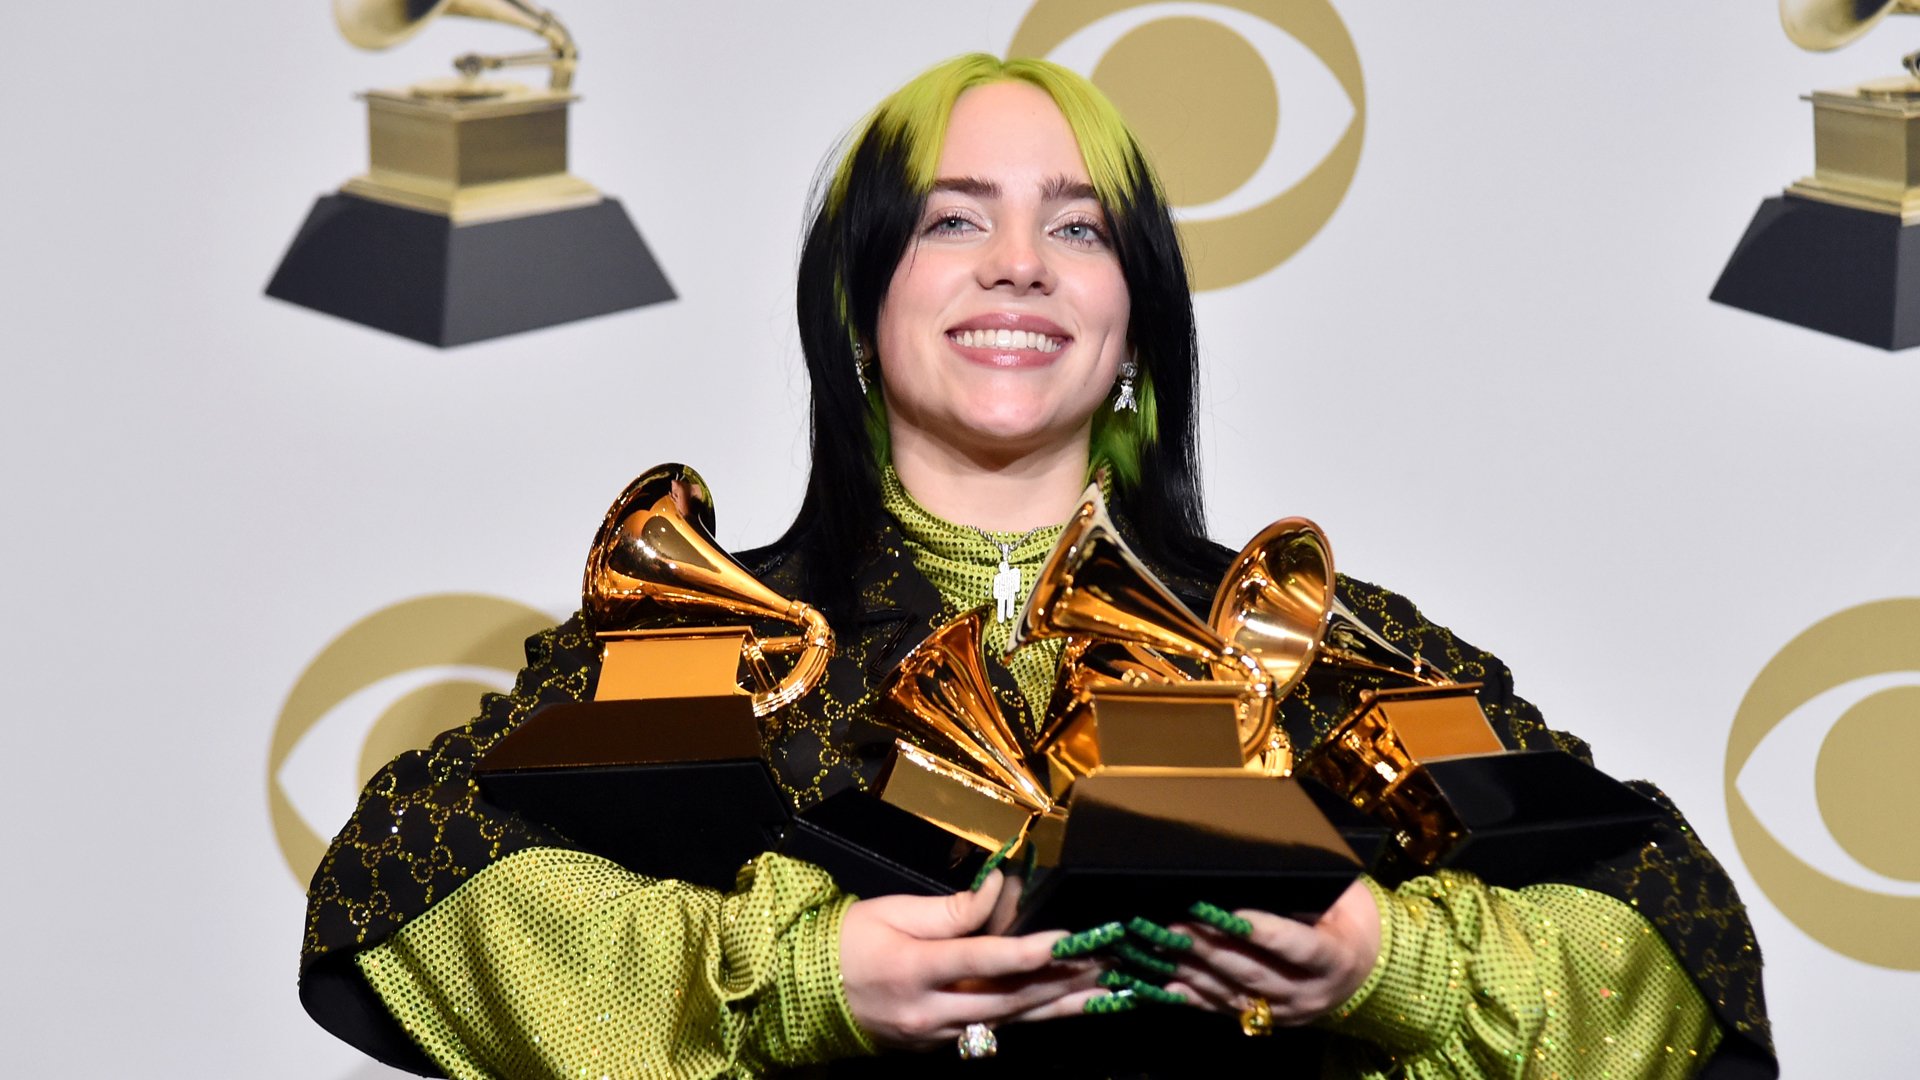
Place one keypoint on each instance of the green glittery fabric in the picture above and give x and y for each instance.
(557, 963)
(961, 563)
(423, 829)
(1548, 982)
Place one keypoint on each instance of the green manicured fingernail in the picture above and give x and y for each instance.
(1158, 966)
(993, 862)
(1119, 1001)
(1145, 991)
(1155, 934)
(1221, 919)
(1088, 941)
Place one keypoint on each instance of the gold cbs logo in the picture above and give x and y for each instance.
(1252, 172)
(388, 683)
(1858, 674)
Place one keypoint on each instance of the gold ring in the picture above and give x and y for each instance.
(1257, 1017)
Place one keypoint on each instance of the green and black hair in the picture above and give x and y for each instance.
(865, 218)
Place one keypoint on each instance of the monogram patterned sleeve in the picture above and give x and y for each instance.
(439, 921)
(1610, 961)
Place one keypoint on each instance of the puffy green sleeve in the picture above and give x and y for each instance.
(1546, 981)
(555, 963)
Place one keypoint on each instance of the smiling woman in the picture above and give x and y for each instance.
(1005, 326)
(994, 308)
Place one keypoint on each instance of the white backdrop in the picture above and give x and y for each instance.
(1493, 377)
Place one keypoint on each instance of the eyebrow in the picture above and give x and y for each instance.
(1056, 189)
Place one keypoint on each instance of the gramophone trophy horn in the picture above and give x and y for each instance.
(1839, 250)
(467, 224)
(1093, 586)
(940, 695)
(1277, 604)
(668, 725)
(654, 559)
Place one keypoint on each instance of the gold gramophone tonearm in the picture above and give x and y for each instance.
(380, 24)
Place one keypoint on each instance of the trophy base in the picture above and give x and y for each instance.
(1532, 812)
(616, 778)
(873, 848)
(1147, 844)
(423, 277)
(1843, 271)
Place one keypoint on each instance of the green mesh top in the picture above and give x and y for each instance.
(962, 561)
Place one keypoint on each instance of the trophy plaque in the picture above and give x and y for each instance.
(1839, 250)
(467, 224)
(669, 727)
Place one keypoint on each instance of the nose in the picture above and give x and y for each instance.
(1016, 259)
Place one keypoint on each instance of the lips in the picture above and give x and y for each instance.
(1008, 339)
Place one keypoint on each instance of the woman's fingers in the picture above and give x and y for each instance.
(1072, 1004)
(1301, 969)
(1206, 989)
(940, 917)
(916, 972)
(999, 1000)
(961, 959)
(1289, 940)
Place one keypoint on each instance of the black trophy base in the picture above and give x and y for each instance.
(421, 276)
(873, 848)
(698, 822)
(670, 788)
(1531, 813)
(1850, 273)
(1153, 845)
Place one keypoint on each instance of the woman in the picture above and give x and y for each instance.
(993, 307)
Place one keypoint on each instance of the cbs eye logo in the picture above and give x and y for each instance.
(1207, 87)
(1820, 784)
(390, 682)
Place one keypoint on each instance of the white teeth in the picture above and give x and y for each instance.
(1006, 339)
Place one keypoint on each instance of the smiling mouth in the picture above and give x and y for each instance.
(1006, 339)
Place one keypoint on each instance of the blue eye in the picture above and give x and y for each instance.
(949, 225)
(1081, 233)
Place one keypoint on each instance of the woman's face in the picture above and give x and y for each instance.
(1006, 321)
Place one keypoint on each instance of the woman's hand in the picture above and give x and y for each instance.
(915, 978)
(1302, 970)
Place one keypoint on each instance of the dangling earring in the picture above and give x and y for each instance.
(1124, 402)
(860, 366)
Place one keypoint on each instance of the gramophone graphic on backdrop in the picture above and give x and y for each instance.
(467, 224)
(1839, 251)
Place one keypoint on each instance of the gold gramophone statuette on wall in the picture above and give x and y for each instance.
(467, 223)
(1839, 250)
(468, 148)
